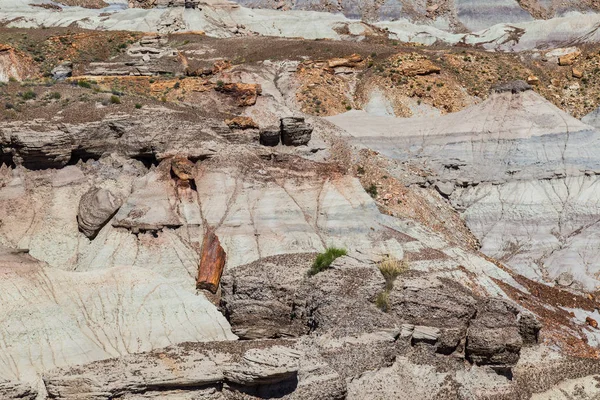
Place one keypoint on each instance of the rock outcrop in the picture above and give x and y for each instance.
(15, 64)
(250, 370)
(244, 94)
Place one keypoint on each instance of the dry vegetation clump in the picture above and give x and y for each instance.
(391, 268)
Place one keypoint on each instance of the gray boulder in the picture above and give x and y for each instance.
(565, 279)
(494, 336)
(295, 132)
(258, 298)
(270, 137)
(96, 207)
(62, 71)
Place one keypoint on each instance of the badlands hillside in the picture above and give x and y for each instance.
(303, 200)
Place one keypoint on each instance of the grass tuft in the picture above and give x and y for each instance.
(324, 260)
(391, 268)
(383, 301)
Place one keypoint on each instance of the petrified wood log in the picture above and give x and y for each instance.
(212, 262)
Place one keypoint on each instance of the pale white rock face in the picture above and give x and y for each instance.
(500, 26)
(52, 318)
(477, 15)
(524, 177)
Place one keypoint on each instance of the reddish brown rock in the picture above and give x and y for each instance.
(212, 263)
(183, 168)
(569, 59)
(577, 73)
(351, 62)
(591, 322)
(245, 94)
(241, 123)
(420, 67)
(533, 80)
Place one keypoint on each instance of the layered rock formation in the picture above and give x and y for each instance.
(520, 170)
(494, 25)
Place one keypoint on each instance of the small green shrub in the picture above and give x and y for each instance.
(84, 84)
(372, 190)
(324, 260)
(29, 95)
(220, 83)
(138, 106)
(12, 79)
(54, 95)
(383, 301)
(348, 108)
(115, 99)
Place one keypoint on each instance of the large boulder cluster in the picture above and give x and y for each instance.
(275, 298)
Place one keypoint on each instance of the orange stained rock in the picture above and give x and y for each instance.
(212, 263)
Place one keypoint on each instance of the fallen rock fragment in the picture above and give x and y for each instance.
(591, 322)
(258, 298)
(422, 67)
(295, 132)
(350, 62)
(270, 136)
(426, 334)
(569, 58)
(565, 279)
(183, 168)
(212, 263)
(96, 207)
(62, 71)
(149, 207)
(533, 80)
(577, 73)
